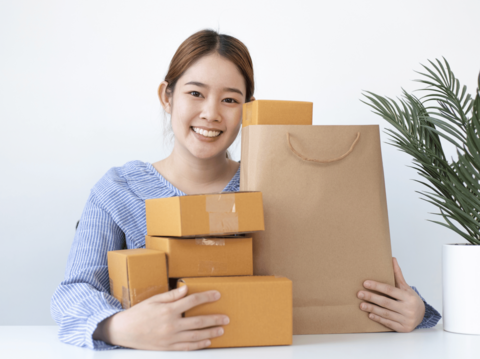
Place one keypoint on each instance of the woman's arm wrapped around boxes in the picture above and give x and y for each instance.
(157, 324)
(401, 308)
(88, 316)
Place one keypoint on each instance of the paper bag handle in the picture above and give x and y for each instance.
(322, 161)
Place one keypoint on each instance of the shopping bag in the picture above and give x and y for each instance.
(326, 221)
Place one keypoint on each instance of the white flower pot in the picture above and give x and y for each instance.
(461, 288)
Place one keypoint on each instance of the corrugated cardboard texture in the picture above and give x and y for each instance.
(136, 274)
(205, 214)
(326, 223)
(273, 112)
(205, 257)
(259, 308)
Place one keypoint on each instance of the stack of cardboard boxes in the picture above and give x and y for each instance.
(200, 241)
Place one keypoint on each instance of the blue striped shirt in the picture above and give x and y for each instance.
(113, 219)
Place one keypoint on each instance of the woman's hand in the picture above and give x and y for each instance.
(157, 323)
(403, 313)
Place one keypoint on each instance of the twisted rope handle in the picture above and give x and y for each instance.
(320, 161)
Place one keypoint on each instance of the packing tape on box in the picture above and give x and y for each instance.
(139, 295)
(206, 268)
(222, 214)
(210, 241)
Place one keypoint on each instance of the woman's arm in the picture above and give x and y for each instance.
(82, 300)
(90, 317)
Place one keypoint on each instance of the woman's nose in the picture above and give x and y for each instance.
(211, 111)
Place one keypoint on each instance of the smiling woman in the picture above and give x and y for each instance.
(209, 79)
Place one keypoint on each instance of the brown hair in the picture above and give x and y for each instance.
(203, 43)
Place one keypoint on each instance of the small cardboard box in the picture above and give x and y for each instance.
(259, 308)
(205, 214)
(136, 274)
(205, 257)
(272, 112)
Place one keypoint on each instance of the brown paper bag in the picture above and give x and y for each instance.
(326, 221)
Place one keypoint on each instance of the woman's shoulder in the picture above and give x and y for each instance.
(118, 176)
(133, 178)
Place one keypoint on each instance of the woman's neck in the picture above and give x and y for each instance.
(195, 175)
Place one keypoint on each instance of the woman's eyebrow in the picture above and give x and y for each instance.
(196, 83)
(226, 89)
(232, 89)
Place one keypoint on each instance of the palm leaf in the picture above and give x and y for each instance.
(448, 112)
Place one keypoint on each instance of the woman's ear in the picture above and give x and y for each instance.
(164, 98)
(252, 99)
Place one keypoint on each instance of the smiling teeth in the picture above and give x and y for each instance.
(206, 133)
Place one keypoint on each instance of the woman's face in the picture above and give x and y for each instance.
(206, 107)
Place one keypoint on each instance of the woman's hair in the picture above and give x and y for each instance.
(206, 42)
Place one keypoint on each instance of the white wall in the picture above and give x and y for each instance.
(78, 83)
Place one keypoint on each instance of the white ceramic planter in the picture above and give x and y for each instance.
(461, 288)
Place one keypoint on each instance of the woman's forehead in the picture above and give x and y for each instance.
(214, 71)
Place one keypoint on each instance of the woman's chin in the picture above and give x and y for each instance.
(208, 155)
(207, 150)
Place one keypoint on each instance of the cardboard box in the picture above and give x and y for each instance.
(272, 112)
(259, 308)
(205, 257)
(136, 274)
(205, 214)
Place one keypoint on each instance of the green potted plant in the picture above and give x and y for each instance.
(445, 111)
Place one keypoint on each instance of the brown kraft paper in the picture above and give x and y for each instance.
(326, 221)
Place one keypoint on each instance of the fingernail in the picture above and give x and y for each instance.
(220, 331)
(363, 306)
(368, 283)
(183, 289)
(226, 320)
(216, 295)
(360, 295)
(208, 342)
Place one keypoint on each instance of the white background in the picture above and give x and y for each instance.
(78, 83)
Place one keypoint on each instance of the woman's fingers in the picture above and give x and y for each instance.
(198, 335)
(202, 321)
(169, 297)
(382, 312)
(386, 322)
(387, 289)
(193, 300)
(380, 300)
(190, 345)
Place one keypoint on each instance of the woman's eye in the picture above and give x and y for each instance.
(195, 93)
(230, 100)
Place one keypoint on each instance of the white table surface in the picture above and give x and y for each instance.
(42, 342)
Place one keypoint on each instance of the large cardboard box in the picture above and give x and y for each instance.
(259, 308)
(205, 257)
(136, 274)
(273, 112)
(205, 214)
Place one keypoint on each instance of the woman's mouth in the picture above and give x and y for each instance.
(206, 133)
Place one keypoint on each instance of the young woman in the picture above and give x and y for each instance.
(209, 79)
